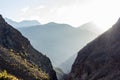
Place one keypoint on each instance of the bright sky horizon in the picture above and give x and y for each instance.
(103, 13)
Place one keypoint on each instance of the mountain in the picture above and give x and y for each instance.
(58, 41)
(60, 73)
(90, 26)
(66, 65)
(19, 58)
(24, 23)
(99, 60)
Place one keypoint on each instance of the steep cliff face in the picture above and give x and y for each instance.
(100, 59)
(19, 58)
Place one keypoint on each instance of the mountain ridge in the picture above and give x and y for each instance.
(23, 23)
(59, 40)
(99, 60)
(19, 58)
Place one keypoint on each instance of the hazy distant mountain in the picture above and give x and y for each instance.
(60, 73)
(100, 59)
(24, 23)
(66, 65)
(92, 28)
(58, 41)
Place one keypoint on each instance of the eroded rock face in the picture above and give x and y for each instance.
(100, 59)
(19, 58)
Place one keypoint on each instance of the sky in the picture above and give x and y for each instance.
(103, 13)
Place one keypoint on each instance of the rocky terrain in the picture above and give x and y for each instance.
(19, 58)
(99, 60)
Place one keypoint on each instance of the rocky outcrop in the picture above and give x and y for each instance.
(99, 60)
(19, 58)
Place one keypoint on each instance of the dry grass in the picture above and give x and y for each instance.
(5, 76)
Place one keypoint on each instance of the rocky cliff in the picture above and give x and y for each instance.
(19, 58)
(100, 59)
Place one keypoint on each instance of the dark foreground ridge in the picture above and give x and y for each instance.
(100, 59)
(19, 58)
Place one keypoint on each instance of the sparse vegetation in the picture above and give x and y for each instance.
(19, 58)
(5, 76)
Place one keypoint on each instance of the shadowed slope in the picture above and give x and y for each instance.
(99, 60)
(19, 58)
